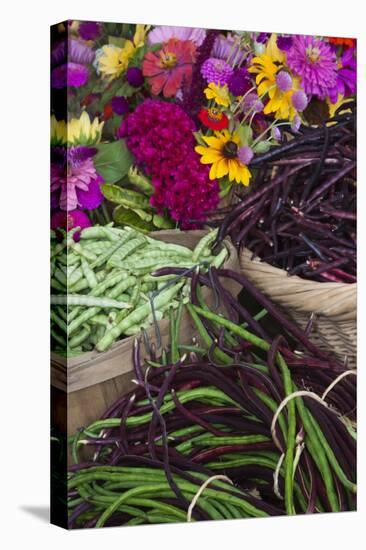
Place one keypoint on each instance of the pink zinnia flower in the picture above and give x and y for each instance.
(169, 67)
(76, 183)
(163, 34)
(316, 63)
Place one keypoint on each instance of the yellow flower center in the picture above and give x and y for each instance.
(230, 150)
(214, 114)
(313, 54)
(168, 60)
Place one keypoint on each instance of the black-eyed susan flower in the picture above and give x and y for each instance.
(223, 153)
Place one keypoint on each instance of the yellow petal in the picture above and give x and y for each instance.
(232, 169)
(212, 174)
(222, 168)
(213, 142)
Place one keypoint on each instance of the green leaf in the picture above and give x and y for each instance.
(119, 195)
(118, 41)
(225, 186)
(155, 47)
(163, 222)
(245, 133)
(199, 139)
(112, 160)
(122, 216)
(262, 147)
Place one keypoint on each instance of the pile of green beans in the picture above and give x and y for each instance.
(103, 288)
(207, 409)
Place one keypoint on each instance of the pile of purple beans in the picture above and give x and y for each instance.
(300, 212)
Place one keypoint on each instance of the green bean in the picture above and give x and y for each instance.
(80, 337)
(204, 244)
(58, 321)
(331, 456)
(206, 338)
(58, 338)
(88, 274)
(137, 316)
(119, 253)
(102, 259)
(317, 452)
(78, 249)
(86, 300)
(220, 258)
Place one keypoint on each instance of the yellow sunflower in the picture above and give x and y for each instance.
(222, 153)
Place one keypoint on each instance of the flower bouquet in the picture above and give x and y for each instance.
(152, 126)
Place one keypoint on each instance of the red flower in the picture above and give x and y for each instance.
(108, 111)
(337, 41)
(213, 118)
(168, 67)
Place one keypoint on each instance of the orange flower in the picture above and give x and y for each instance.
(337, 41)
(168, 67)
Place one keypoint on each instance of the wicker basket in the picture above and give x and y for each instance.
(334, 305)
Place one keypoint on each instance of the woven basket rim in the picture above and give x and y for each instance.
(333, 300)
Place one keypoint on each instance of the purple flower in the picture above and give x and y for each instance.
(239, 82)
(245, 154)
(262, 37)
(252, 103)
(80, 53)
(216, 70)
(58, 53)
(284, 81)
(135, 77)
(120, 105)
(346, 76)
(90, 30)
(74, 180)
(68, 220)
(299, 100)
(162, 34)
(315, 62)
(284, 42)
(69, 74)
(228, 49)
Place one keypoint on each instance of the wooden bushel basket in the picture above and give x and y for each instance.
(84, 387)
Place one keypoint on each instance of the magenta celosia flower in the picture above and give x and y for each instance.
(346, 76)
(188, 193)
(162, 34)
(68, 220)
(69, 74)
(90, 30)
(315, 62)
(160, 135)
(216, 70)
(75, 181)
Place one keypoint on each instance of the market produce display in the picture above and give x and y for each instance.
(104, 288)
(301, 213)
(242, 405)
(240, 425)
